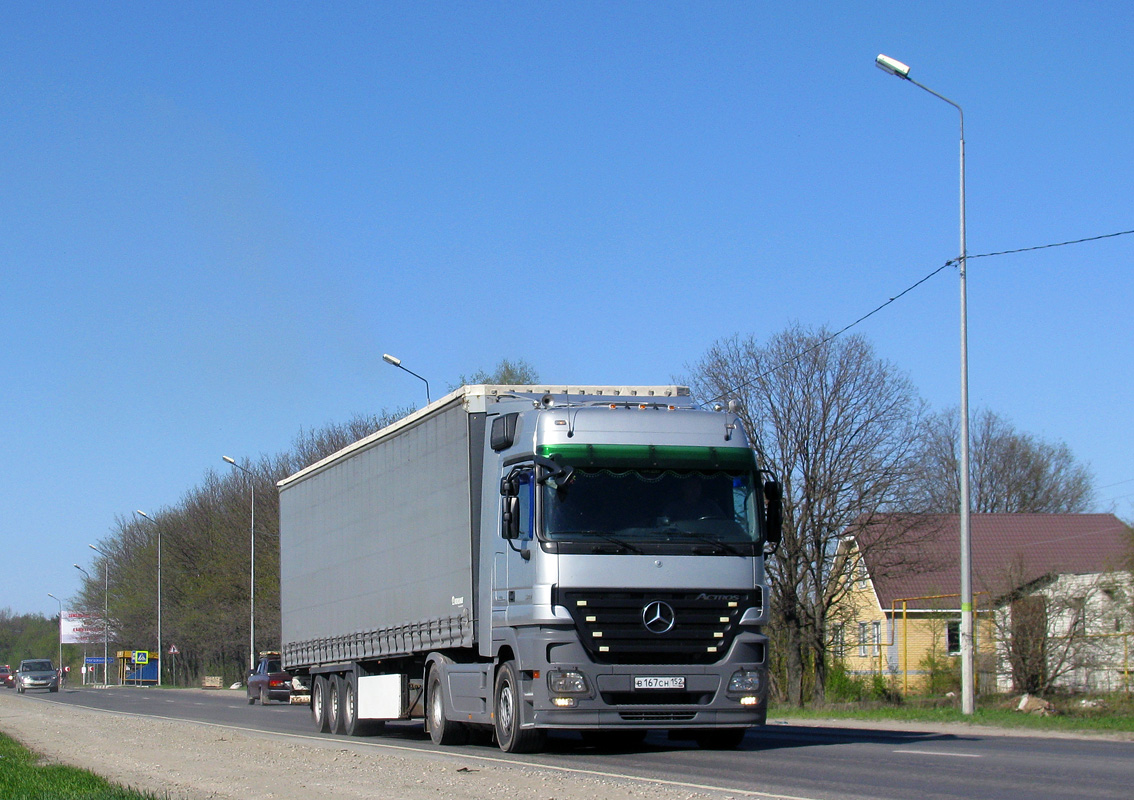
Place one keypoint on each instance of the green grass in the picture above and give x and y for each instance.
(1113, 714)
(23, 777)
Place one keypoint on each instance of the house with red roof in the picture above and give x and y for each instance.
(1053, 600)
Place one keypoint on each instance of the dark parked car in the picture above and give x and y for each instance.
(37, 673)
(7, 679)
(268, 681)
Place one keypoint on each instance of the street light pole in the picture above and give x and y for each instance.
(60, 602)
(397, 362)
(105, 612)
(86, 575)
(968, 687)
(252, 567)
(157, 527)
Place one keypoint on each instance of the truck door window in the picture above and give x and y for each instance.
(527, 505)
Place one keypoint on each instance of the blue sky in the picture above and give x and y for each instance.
(216, 217)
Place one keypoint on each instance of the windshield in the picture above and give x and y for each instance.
(632, 507)
(37, 666)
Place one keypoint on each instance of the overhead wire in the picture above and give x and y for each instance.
(950, 263)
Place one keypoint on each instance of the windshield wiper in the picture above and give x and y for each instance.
(704, 537)
(621, 543)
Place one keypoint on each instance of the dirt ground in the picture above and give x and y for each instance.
(193, 761)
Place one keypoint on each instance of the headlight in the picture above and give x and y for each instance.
(745, 682)
(567, 682)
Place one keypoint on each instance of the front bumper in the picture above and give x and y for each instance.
(612, 700)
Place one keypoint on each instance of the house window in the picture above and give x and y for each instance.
(862, 574)
(953, 637)
(877, 636)
(838, 645)
(863, 639)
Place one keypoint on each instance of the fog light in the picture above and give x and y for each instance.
(745, 681)
(564, 702)
(749, 701)
(566, 682)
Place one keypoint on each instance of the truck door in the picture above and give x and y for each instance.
(513, 572)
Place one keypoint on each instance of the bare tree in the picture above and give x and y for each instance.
(1054, 628)
(838, 425)
(1012, 472)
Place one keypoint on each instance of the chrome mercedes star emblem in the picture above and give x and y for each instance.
(658, 617)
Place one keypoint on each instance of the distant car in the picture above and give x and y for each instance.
(7, 679)
(268, 681)
(37, 673)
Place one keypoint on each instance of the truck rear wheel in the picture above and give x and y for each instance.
(319, 704)
(511, 736)
(348, 706)
(441, 730)
(334, 704)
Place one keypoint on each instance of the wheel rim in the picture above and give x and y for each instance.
(348, 705)
(506, 709)
(317, 701)
(436, 715)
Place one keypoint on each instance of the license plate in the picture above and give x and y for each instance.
(668, 682)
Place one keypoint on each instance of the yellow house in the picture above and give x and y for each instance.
(900, 614)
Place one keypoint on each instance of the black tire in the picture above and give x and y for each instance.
(441, 730)
(348, 705)
(719, 738)
(334, 704)
(319, 704)
(508, 714)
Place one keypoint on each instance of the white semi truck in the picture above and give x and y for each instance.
(524, 559)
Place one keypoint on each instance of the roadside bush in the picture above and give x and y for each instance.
(942, 674)
(842, 687)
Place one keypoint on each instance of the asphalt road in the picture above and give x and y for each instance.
(788, 761)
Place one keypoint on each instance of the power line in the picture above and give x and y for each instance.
(1056, 244)
(950, 263)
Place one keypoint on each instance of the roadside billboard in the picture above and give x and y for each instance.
(76, 628)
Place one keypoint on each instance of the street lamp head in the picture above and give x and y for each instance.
(229, 460)
(389, 359)
(892, 66)
(143, 514)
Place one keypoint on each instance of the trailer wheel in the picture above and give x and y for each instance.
(508, 715)
(441, 730)
(334, 704)
(348, 706)
(319, 704)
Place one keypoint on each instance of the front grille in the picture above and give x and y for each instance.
(658, 716)
(690, 627)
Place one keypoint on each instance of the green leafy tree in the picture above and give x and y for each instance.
(507, 373)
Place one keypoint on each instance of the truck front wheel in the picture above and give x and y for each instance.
(511, 736)
(319, 704)
(441, 730)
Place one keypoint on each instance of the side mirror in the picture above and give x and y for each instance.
(510, 518)
(774, 516)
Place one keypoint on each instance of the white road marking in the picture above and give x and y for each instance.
(938, 753)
